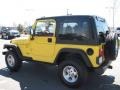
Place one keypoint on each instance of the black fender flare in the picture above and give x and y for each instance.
(14, 48)
(75, 52)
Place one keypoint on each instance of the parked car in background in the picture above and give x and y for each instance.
(118, 31)
(3, 34)
(10, 34)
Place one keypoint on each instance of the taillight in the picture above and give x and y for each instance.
(101, 57)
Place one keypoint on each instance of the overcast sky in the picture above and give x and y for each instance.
(26, 11)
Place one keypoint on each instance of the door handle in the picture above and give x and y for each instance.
(49, 39)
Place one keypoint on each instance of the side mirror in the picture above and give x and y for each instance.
(31, 31)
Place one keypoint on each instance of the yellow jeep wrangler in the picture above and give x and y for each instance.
(76, 44)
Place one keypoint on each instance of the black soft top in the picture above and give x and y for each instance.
(62, 17)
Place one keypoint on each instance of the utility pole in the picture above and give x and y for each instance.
(67, 12)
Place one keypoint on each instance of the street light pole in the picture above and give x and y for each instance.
(113, 8)
(113, 18)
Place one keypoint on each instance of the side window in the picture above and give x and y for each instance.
(101, 27)
(74, 30)
(68, 28)
(45, 28)
(102, 30)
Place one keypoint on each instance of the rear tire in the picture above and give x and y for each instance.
(72, 72)
(12, 61)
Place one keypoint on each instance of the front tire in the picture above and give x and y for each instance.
(12, 61)
(72, 72)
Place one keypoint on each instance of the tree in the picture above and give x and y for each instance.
(20, 28)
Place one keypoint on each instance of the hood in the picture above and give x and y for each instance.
(20, 40)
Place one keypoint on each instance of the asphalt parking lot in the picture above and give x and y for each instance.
(36, 76)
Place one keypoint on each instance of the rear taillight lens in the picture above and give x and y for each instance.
(101, 57)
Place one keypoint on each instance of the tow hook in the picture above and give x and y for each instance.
(110, 67)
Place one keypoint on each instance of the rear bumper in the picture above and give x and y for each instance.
(103, 67)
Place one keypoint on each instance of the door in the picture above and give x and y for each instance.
(43, 44)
